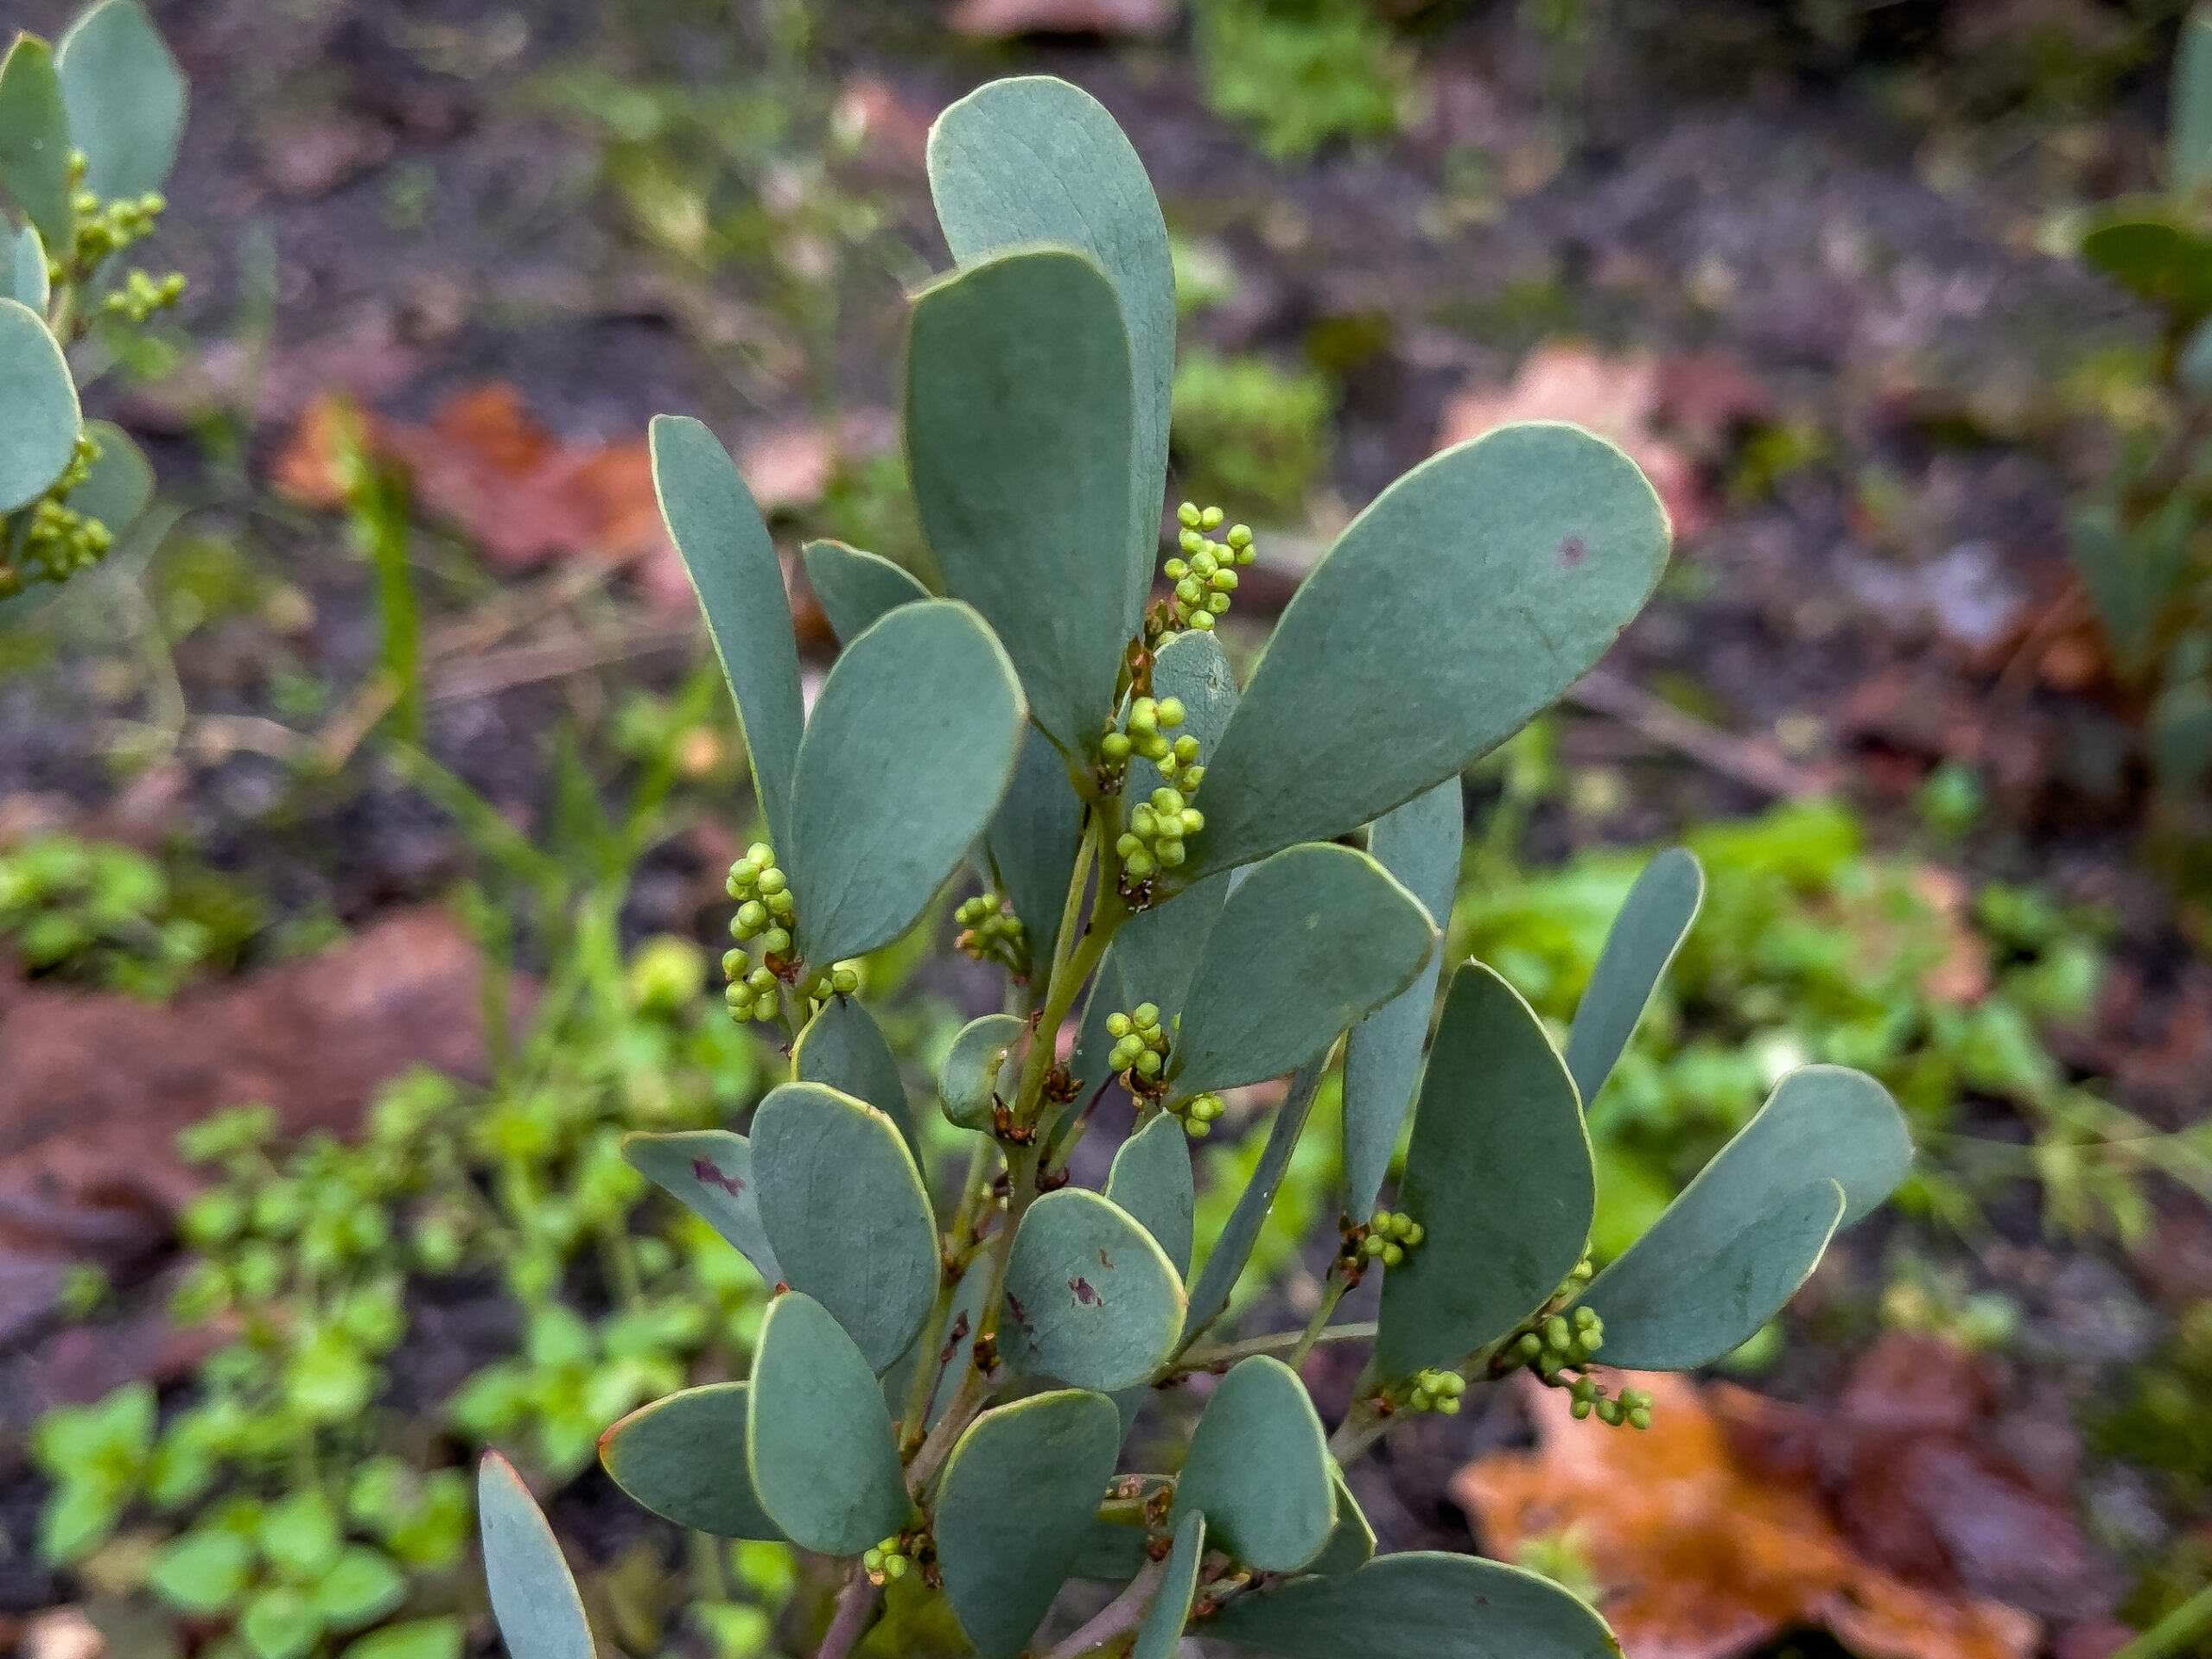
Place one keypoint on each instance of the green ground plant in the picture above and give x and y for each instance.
(943, 1381)
(1247, 430)
(88, 133)
(1298, 74)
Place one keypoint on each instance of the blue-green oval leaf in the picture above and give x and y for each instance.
(1474, 592)
(1650, 928)
(847, 1213)
(1423, 1603)
(683, 1457)
(717, 529)
(1014, 1507)
(709, 1172)
(1018, 431)
(1311, 939)
(1179, 1582)
(1031, 844)
(121, 483)
(1418, 843)
(1258, 1469)
(125, 97)
(818, 1440)
(911, 745)
(843, 1047)
(856, 588)
(968, 1086)
(34, 144)
(533, 1596)
(1090, 1298)
(1033, 160)
(1498, 1174)
(1151, 1179)
(38, 407)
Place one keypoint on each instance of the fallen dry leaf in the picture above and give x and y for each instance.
(1700, 1558)
(97, 1086)
(1000, 20)
(1617, 397)
(521, 493)
(62, 1633)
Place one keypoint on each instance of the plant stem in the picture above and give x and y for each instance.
(2172, 1631)
(855, 1602)
(707, 1565)
(1339, 1283)
(1361, 1426)
(1229, 1352)
(1119, 1617)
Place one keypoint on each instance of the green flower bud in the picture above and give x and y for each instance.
(1117, 1025)
(872, 1559)
(1146, 1016)
(1556, 1334)
(1114, 747)
(733, 964)
(1148, 1064)
(773, 881)
(779, 904)
(1176, 570)
(762, 980)
(1196, 1127)
(1138, 864)
(761, 856)
(1211, 518)
(1412, 1232)
(844, 980)
(1239, 536)
(1448, 1406)
(1592, 1341)
(1223, 581)
(1371, 1246)
(1393, 1255)
(1528, 1347)
(1203, 622)
(1172, 711)
(1640, 1418)
(1609, 1413)
(1189, 516)
(735, 888)
(1379, 1222)
(1141, 822)
(777, 941)
(1190, 591)
(1203, 565)
(895, 1567)
(752, 916)
(1580, 1410)
(1218, 604)
(1170, 854)
(739, 999)
(1190, 541)
(1128, 845)
(1585, 1317)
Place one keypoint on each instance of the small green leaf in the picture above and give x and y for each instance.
(122, 482)
(38, 406)
(1090, 1298)
(1650, 930)
(125, 97)
(419, 1638)
(848, 1215)
(1419, 844)
(299, 1535)
(912, 742)
(1014, 1507)
(1734, 1249)
(1151, 1179)
(968, 1087)
(77, 1519)
(1421, 1602)
(1539, 542)
(2150, 247)
(362, 1587)
(1258, 1469)
(204, 1572)
(1499, 1175)
(683, 1457)
(1311, 939)
(1179, 1582)
(1352, 1539)
(715, 526)
(27, 275)
(856, 588)
(34, 145)
(1017, 430)
(1031, 843)
(843, 1047)
(533, 1596)
(816, 1438)
(280, 1622)
(2189, 161)
(1218, 1278)
(1033, 160)
(709, 1172)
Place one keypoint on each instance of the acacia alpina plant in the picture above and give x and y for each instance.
(88, 134)
(941, 1395)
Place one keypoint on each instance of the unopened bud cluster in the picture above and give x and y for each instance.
(105, 228)
(1632, 1409)
(142, 295)
(1198, 1114)
(888, 1560)
(1561, 1343)
(57, 541)
(1436, 1391)
(1205, 574)
(1139, 1045)
(990, 931)
(764, 912)
(1389, 1236)
(1157, 825)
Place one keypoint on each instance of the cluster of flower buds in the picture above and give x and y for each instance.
(1139, 1044)
(1205, 574)
(141, 295)
(1632, 1408)
(1146, 736)
(1561, 1343)
(888, 1560)
(764, 912)
(105, 228)
(1153, 840)
(1437, 1391)
(1198, 1113)
(1389, 1236)
(990, 931)
(58, 541)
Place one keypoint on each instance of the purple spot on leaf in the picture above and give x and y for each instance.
(1572, 550)
(707, 1170)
